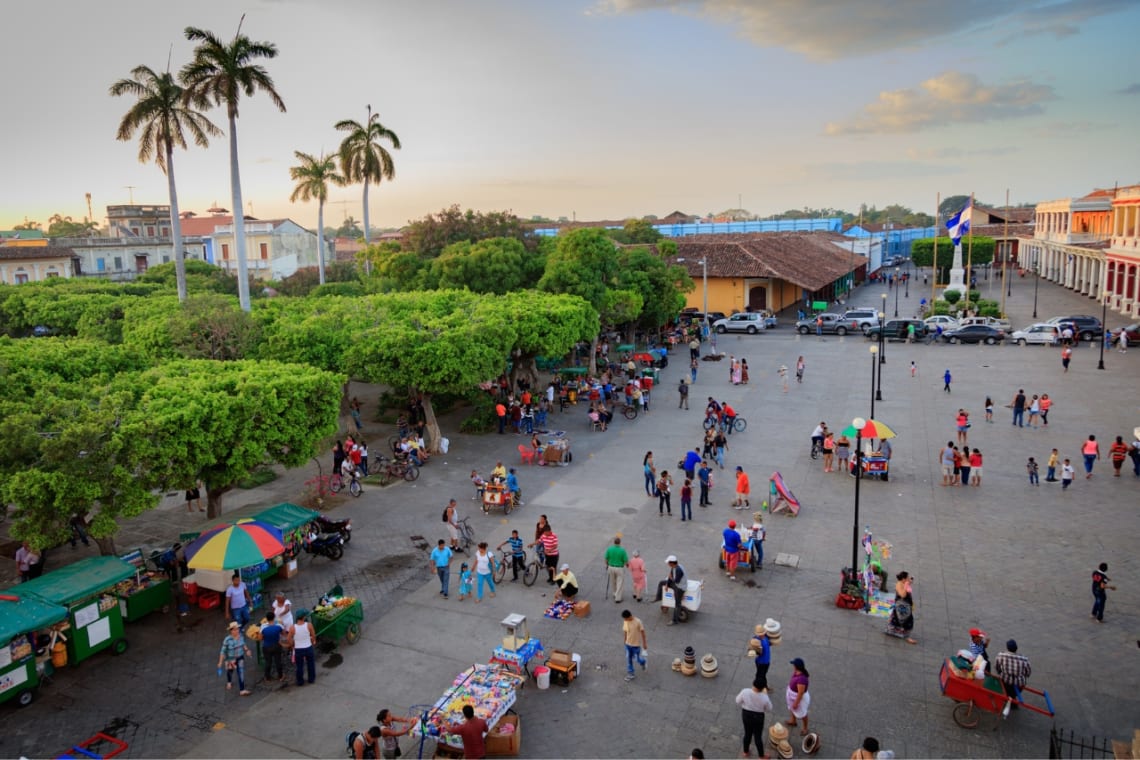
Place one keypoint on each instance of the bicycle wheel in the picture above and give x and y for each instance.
(630, 412)
(354, 488)
(530, 572)
(467, 536)
(411, 472)
(501, 569)
(814, 451)
(335, 483)
(709, 422)
(740, 424)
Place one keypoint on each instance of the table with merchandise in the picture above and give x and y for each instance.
(489, 689)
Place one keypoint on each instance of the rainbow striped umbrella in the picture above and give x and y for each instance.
(229, 547)
(872, 429)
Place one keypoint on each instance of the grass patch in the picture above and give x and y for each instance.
(257, 478)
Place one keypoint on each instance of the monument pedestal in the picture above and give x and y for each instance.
(957, 274)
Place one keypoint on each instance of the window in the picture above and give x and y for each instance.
(100, 265)
(264, 250)
(118, 263)
(52, 274)
(21, 278)
(165, 259)
(225, 250)
(135, 231)
(150, 230)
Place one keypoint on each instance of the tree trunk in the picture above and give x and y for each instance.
(321, 240)
(431, 426)
(347, 425)
(214, 501)
(106, 546)
(593, 356)
(239, 220)
(175, 226)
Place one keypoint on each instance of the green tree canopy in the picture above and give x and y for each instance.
(494, 265)
(428, 237)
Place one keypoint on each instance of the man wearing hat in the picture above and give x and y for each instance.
(763, 648)
(674, 581)
(1013, 670)
(566, 582)
(978, 642)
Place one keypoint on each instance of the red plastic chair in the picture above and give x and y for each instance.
(527, 454)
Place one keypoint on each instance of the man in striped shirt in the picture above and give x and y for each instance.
(549, 543)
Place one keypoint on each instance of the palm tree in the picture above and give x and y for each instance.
(313, 177)
(363, 158)
(218, 75)
(163, 119)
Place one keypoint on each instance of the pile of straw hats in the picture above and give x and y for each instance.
(689, 663)
(778, 738)
(709, 667)
(772, 628)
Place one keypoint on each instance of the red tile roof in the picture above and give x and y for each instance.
(811, 260)
(27, 253)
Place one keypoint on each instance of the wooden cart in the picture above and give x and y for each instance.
(977, 696)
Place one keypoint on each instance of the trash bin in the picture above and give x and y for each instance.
(542, 676)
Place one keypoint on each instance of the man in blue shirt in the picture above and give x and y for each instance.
(731, 549)
(518, 554)
(692, 459)
(513, 488)
(271, 646)
(705, 476)
(763, 649)
(441, 563)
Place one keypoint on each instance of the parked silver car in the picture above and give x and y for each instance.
(1044, 334)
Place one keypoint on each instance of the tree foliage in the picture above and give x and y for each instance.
(635, 231)
(428, 237)
(363, 157)
(922, 253)
(660, 284)
(201, 276)
(494, 265)
(66, 227)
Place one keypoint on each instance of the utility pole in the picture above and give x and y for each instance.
(131, 190)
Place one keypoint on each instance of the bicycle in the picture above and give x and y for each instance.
(532, 569)
(466, 534)
(336, 483)
(393, 469)
(506, 557)
(629, 411)
(816, 448)
(738, 424)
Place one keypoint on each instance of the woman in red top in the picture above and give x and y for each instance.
(1045, 403)
(976, 467)
(957, 467)
(1117, 453)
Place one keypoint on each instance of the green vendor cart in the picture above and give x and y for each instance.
(86, 589)
(292, 521)
(20, 619)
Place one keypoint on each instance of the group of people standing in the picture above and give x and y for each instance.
(284, 633)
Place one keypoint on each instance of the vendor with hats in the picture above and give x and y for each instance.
(732, 542)
(566, 582)
(763, 648)
(674, 581)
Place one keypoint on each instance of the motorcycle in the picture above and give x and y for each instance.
(329, 545)
(326, 524)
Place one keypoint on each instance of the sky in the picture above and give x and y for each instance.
(593, 109)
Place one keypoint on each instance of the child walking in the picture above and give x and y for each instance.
(1066, 474)
(989, 409)
(1031, 466)
(464, 582)
(913, 368)
(1051, 467)
(946, 378)
(687, 500)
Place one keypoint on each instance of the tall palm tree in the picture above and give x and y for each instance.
(363, 158)
(218, 75)
(313, 177)
(163, 119)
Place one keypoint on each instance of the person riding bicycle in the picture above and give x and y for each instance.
(818, 435)
(712, 409)
(518, 553)
(348, 470)
(729, 416)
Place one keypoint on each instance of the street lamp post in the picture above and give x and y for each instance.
(858, 423)
(874, 361)
(896, 291)
(882, 323)
(1103, 317)
(1036, 281)
(908, 278)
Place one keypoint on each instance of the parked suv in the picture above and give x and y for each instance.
(1001, 324)
(865, 318)
(750, 322)
(896, 329)
(832, 323)
(1084, 327)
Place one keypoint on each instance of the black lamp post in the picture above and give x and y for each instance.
(882, 339)
(1103, 317)
(908, 278)
(1036, 281)
(896, 291)
(874, 361)
(1005, 274)
(858, 422)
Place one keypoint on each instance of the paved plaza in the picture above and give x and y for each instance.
(1012, 559)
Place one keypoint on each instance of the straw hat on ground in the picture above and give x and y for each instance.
(709, 667)
(777, 733)
(811, 744)
(784, 749)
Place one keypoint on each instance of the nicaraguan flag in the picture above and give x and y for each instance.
(959, 224)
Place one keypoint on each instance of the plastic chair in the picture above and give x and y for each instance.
(527, 454)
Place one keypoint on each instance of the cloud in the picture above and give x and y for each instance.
(949, 98)
(1132, 89)
(943, 154)
(871, 171)
(829, 29)
(1068, 129)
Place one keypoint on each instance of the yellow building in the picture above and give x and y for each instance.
(770, 270)
(1068, 242)
(19, 264)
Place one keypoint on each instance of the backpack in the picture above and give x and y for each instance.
(445, 514)
(350, 740)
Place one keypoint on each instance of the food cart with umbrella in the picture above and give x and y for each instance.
(875, 463)
(244, 546)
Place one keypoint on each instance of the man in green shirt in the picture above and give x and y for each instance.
(616, 562)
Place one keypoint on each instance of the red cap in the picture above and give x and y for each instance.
(977, 632)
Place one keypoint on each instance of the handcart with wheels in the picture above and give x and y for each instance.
(23, 623)
(496, 495)
(338, 616)
(975, 696)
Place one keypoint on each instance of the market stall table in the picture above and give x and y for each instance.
(20, 620)
(489, 689)
(85, 588)
(518, 659)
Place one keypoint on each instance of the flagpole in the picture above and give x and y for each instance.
(1005, 258)
(970, 251)
(934, 265)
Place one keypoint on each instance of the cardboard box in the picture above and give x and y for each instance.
(288, 570)
(560, 657)
(581, 609)
(500, 744)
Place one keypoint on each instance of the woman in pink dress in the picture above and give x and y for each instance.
(737, 375)
(637, 570)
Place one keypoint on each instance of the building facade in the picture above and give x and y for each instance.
(1122, 278)
(1069, 242)
(22, 264)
